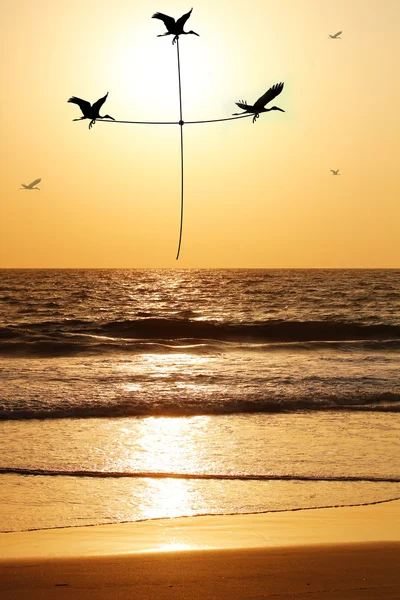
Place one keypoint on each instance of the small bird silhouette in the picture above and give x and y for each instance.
(259, 106)
(90, 111)
(31, 186)
(174, 28)
(335, 36)
(335, 172)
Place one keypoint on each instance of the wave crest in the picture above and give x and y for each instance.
(378, 402)
(67, 337)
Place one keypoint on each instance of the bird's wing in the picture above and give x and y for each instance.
(332, 171)
(273, 91)
(338, 33)
(182, 20)
(84, 105)
(242, 105)
(168, 21)
(97, 105)
(35, 182)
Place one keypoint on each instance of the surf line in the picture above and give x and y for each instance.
(207, 476)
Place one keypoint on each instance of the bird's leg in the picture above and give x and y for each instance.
(80, 119)
(255, 117)
(176, 38)
(92, 122)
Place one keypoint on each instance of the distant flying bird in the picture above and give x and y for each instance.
(174, 28)
(335, 172)
(90, 111)
(335, 36)
(31, 186)
(258, 106)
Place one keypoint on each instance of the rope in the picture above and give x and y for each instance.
(175, 122)
(181, 126)
(218, 120)
(142, 122)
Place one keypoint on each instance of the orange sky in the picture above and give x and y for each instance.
(257, 195)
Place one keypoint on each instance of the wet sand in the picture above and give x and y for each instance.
(329, 554)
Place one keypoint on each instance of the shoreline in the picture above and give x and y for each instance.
(371, 523)
(330, 554)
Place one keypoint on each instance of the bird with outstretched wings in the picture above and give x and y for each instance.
(90, 111)
(173, 27)
(259, 106)
(86, 107)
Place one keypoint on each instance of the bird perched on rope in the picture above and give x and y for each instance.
(259, 106)
(32, 185)
(335, 172)
(335, 36)
(174, 28)
(90, 111)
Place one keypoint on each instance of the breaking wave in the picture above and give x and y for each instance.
(74, 336)
(129, 407)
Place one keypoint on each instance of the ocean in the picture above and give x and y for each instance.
(138, 394)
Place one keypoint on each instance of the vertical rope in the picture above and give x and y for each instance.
(181, 126)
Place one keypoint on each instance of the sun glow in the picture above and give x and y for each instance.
(168, 496)
(145, 72)
(162, 443)
(172, 547)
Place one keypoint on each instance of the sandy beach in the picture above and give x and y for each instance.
(339, 553)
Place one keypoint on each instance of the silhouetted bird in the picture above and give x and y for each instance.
(31, 186)
(335, 172)
(90, 111)
(336, 36)
(174, 28)
(258, 106)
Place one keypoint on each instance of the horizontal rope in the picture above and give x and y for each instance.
(219, 120)
(141, 122)
(175, 122)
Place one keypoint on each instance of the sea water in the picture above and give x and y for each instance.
(138, 394)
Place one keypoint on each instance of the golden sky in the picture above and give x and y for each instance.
(257, 195)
